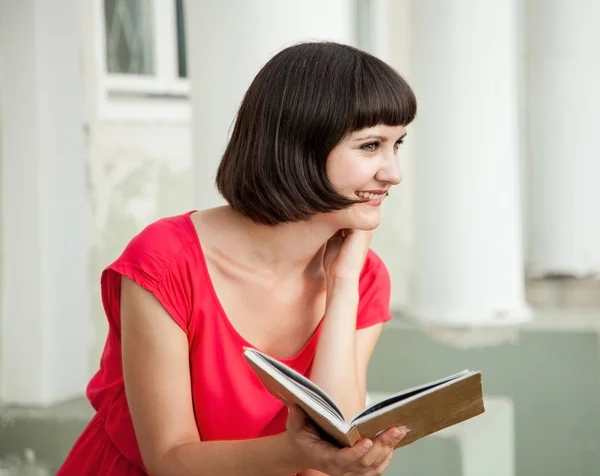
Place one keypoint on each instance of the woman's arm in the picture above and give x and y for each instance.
(157, 384)
(335, 367)
(343, 353)
(331, 370)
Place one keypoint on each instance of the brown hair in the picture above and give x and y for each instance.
(302, 103)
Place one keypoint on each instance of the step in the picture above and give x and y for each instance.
(22, 466)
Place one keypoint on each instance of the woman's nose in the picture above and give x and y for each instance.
(390, 172)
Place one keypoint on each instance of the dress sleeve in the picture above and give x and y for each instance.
(155, 260)
(374, 293)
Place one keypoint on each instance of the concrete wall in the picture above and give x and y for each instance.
(138, 170)
(552, 378)
(1, 165)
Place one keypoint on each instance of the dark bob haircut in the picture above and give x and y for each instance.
(302, 103)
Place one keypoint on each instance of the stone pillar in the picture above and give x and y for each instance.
(468, 263)
(229, 41)
(564, 144)
(45, 333)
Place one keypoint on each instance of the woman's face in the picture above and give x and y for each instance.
(365, 165)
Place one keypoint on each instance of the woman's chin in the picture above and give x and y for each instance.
(356, 218)
(364, 222)
(366, 226)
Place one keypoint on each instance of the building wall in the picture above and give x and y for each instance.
(137, 173)
(1, 234)
(551, 376)
(138, 170)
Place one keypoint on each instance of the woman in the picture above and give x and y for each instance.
(285, 267)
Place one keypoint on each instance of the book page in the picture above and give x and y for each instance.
(275, 381)
(314, 391)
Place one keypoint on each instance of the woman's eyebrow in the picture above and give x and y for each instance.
(372, 136)
(377, 137)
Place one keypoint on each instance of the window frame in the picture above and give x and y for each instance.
(162, 96)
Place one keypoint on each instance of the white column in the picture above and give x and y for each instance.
(229, 41)
(468, 266)
(564, 143)
(45, 318)
(388, 26)
(487, 443)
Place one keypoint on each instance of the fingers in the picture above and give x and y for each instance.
(390, 438)
(364, 237)
(349, 456)
(361, 240)
(368, 457)
(383, 445)
(384, 464)
(332, 249)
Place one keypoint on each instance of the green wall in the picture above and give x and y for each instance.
(553, 379)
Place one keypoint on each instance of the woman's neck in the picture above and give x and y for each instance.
(288, 249)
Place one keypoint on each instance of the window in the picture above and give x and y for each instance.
(129, 37)
(142, 58)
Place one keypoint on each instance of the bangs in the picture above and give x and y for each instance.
(381, 96)
(300, 106)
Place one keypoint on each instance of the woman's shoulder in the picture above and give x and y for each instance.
(167, 235)
(374, 266)
(163, 239)
(159, 259)
(160, 245)
(374, 277)
(375, 292)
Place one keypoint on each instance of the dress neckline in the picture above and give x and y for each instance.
(221, 311)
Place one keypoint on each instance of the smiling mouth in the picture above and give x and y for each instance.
(368, 196)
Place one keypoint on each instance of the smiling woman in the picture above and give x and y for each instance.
(310, 98)
(284, 267)
(365, 165)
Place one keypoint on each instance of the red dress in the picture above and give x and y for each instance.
(166, 258)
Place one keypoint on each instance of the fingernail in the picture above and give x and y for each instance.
(404, 429)
(366, 445)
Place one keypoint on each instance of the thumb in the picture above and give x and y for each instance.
(296, 418)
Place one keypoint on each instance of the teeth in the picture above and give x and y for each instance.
(369, 196)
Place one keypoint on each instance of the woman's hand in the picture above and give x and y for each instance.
(345, 254)
(365, 458)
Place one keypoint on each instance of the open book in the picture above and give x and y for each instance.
(425, 409)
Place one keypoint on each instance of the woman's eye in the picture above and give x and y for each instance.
(398, 144)
(370, 147)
